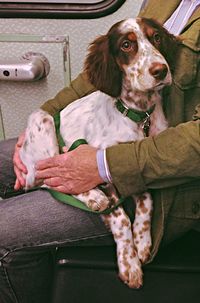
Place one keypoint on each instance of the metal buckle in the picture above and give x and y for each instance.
(125, 112)
(146, 125)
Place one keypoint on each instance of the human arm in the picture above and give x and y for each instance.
(169, 159)
(78, 88)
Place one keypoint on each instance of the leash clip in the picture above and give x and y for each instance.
(125, 112)
(146, 125)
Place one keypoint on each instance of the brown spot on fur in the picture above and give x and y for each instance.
(133, 255)
(141, 204)
(125, 222)
(145, 228)
(132, 36)
(119, 235)
(145, 254)
(117, 213)
(106, 220)
(85, 194)
(138, 212)
(134, 235)
(125, 262)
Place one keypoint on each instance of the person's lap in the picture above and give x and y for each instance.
(33, 224)
(36, 220)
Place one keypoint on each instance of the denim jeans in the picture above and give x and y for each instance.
(32, 226)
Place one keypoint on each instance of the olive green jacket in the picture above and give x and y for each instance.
(171, 158)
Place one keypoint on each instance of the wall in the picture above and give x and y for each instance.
(80, 33)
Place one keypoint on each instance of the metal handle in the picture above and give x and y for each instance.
(30, 67)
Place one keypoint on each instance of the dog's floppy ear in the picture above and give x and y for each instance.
(102, 69)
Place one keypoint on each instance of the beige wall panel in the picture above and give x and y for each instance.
(17, 100)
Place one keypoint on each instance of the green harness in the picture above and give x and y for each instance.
(134, 115)
(68, 199)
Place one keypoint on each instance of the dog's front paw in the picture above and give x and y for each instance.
(132, 278)
(130, 271)
(95, 199)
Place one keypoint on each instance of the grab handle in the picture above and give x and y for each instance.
(30, 67)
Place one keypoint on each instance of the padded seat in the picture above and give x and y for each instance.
(89, 274)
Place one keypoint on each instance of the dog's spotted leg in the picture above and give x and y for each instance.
(128, 262)
(142, 226)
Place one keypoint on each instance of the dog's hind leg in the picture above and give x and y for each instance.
(40, 143)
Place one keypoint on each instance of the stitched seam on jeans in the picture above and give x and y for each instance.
(55, 243)
(9, 284)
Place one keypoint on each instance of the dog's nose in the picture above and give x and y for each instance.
(158, 70)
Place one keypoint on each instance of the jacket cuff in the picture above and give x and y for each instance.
(124, 169)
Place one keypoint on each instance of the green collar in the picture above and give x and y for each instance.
(135, 115)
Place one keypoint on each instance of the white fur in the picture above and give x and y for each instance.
(96, 119)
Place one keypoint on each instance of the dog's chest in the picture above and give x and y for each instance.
(96, 119)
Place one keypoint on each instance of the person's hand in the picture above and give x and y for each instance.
(19, 167)
(73, 172)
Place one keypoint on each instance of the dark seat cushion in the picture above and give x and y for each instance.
(89, 274)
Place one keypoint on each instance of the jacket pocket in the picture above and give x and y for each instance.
(187, 74)
(187, 201)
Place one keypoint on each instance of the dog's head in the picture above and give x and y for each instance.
(135, 51)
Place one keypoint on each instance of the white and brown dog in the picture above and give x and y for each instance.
(129, 66)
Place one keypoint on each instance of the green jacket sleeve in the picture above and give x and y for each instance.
(168, 159)
(77, 89)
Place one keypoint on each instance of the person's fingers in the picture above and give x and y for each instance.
(19, 183)
(53, 181)
(49, 163)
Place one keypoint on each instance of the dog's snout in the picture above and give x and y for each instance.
(158, 70)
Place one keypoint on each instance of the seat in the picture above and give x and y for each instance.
(89, 274)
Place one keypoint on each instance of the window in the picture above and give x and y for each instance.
(58, 8)
(55, 1)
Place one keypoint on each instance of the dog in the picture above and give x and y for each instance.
(129, 66)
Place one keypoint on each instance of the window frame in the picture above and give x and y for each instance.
(59, 10)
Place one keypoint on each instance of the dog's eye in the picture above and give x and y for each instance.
(127, 46)
(156, 38)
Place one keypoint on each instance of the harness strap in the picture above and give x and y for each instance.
(68, 199)
(61, 142)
